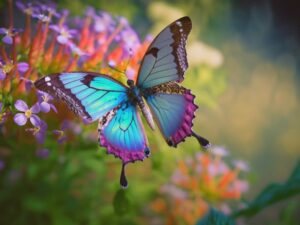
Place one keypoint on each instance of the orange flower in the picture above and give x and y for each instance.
(198, 183)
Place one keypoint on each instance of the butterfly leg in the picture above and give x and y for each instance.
(202, 141)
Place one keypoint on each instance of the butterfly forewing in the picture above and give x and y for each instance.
(90, 95)
(165, 59)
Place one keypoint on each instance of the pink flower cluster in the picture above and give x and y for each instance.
(200, 182)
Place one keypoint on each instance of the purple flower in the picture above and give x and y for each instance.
(42, 153)
(103, 23)
(130, 39)
(39, 131)
(22, 67)
(44, 12)
(44, 100)
(66, 125)
(219, 151)
(27, 8)
(8, 34)
(64, 34)
(90, 12)
(21, 118)
(61, 137)
(28, 83)
(7, 39)
(76, 50)
(5, 68)
(241, 165)
(49, 7)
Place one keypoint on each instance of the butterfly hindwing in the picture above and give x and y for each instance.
(173, 109)
(90, 95)
(122, 133)
(165, 59)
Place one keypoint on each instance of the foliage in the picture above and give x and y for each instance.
(272, 194)
(268, 197)
(214, 217)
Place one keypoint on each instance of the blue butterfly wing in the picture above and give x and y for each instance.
(165, 59)
(173, 111)
(90, 95)
(122, 133)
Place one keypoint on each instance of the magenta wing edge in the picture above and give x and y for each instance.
(185, 129)
(125, 156)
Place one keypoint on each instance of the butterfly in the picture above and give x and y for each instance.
(156, 93)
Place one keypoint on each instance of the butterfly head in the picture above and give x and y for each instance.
(130, 83)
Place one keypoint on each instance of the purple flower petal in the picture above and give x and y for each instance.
(28, 85)
(55, 28)
(20, 119)
(35, 120)
(43, 125)
(7, 39)
(62, 139)
(40, 136)
(35, 108)
(57, 132)
(1, 104)
(53, 108)
(20, 5)
(22, 67)
(2, 75)
(45, 107)
(21, 105)
(3, 30)
(62, 39)
(72, 32)
(90, 11)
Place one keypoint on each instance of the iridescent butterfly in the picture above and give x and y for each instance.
(156, 93)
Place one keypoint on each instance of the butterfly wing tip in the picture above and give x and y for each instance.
(207, 146)
(124, 187)
(123, 179)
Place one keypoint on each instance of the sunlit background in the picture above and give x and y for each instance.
(244, 70)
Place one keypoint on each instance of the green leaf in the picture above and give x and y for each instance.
(121, 202)
(214, 217)
(35, 204)
(273, 194)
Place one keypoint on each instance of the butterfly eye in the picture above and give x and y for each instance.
(130, 83)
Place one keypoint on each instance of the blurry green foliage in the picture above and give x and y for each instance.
(273, 194)
(268, 197)
(214, 217)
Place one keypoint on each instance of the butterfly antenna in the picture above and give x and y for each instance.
(128, 61)
(202, 141)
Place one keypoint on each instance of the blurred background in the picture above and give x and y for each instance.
(244, 70)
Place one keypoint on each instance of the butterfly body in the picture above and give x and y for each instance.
(136, 97)
(156, 92)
